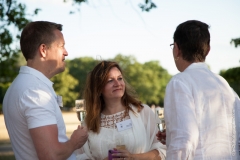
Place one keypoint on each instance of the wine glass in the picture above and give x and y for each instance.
(160, 121)
(161, 125)
(80, 109)
(119, 140)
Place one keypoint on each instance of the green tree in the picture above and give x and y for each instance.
(236, 42)
(3, 89)
(232, 75)
(79, 68)
(145, 6)
(148, 79)
(64, 85)
(13, 17)
(158, 77)
(20, 60)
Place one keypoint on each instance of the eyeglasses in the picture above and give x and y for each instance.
(172, 45)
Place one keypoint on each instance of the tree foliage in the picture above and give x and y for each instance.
(148, 79)
(144, 5)
(3, 90)
(13, 18)
(232, 75)
(64, 85)
(79, 68)
(236, 42)
(147, 5)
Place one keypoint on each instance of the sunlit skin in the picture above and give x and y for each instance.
(176, 56)
(115, 87)
(50, 60)
(56, 54)
(161, 136)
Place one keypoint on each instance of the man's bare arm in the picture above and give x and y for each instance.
(46, 142)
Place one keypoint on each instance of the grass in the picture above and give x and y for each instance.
(7, 157)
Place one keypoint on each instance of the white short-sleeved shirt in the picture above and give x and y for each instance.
(200, 114)
(31, 102)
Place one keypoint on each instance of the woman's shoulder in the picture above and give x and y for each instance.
(135, 108)
(145, 108)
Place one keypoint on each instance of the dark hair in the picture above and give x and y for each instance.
(193, 39)
(35, 34)
(96, 80)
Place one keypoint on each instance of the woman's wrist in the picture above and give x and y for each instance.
(131, 157)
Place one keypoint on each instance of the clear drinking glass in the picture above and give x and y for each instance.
(80, 110)
(160, 121)
(119, 140)
(161, 125)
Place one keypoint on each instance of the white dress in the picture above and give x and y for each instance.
(140, 138)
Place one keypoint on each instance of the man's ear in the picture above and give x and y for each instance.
(43, 50)
(208, 50)
(178, 51)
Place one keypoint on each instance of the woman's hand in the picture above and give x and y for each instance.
(122, 154)
(161, 136)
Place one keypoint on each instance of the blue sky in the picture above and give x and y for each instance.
(104, 28)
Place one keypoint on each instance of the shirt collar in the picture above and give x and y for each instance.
(202, 65)
(36, 73)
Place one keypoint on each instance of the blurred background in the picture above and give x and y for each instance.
(135, 33)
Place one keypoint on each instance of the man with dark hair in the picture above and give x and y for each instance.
(31, 107)
(201, 110)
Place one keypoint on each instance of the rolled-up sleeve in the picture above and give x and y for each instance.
(181, 121)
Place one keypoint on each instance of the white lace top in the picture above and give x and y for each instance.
(140, 138)
(109, 121)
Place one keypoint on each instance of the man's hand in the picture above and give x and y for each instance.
(79, 136)
(161, 136)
